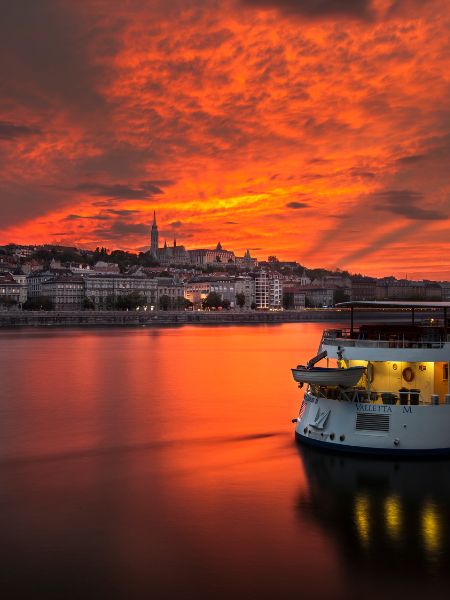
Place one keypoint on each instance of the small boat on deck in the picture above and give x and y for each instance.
(328, 376)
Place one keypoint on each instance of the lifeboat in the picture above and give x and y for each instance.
(328, 376)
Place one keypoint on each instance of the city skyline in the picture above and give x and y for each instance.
(318, 135)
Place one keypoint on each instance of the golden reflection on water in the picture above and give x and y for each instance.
(362, 518)
(431, 528)
(393, 515)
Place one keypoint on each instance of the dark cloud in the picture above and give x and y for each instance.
(404, 203)
(170, 234)
(231, 223)
(11, 131)
(317, 9)
(318, 160)
(73, 217)
(122, 228)
(362, 10)
(122, 212)
(144, 190)
(47, 43)
(410, 160)
(361, 173)
(118, 160)
(434, 149)
(118, 229)
(297, 205)
(19, 199)
(159, 182)
(176, 224)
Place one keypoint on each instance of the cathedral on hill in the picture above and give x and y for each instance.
(178, 255)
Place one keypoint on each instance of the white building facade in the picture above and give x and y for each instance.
(268, 291)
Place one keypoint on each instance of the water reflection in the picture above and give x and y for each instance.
(389, 521)
(123, 476)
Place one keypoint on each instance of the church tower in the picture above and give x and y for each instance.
(154, 237)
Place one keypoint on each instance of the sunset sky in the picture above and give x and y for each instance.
(316, 130)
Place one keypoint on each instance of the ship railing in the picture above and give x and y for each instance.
(339, 337)
(359, 395)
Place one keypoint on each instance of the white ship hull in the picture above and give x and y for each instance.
(374, 428)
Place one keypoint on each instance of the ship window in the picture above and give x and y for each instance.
(445, 372)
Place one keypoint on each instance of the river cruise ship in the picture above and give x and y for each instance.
(395, 399)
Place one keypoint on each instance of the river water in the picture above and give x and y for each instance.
(161, 463)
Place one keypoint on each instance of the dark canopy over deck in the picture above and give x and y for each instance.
(395, 304)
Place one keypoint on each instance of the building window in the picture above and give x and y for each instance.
(445, 372)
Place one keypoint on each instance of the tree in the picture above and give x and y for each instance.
(110, 302)
(39, 303)
(164, 302)
(121, 303)
(240, 300)
(288, 300)
(8, 302)
(136, 300)
(146, 259)
(340, 295)
(88, 304)
(187, 304)
(131, 301)
(43, 255)
(232, 269)
(70, 256)
(212, 300)
(226, 304)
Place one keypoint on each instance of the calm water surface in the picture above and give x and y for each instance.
(161, 463)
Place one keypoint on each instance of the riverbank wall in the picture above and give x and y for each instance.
(12, 319)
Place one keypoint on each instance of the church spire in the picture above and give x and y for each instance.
(154, 237)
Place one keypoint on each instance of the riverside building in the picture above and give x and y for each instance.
(268, 291)
(66, 292)
(11, 292)
(103, 289)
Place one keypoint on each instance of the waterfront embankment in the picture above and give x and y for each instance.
(109, 318)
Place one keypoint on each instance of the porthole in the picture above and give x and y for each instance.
(305, 431)
(331, 436)
(342, 437)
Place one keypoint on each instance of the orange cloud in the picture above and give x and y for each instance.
(316, 136)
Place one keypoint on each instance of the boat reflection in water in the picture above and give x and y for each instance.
(390, 521)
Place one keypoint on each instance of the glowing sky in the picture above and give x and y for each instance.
(316, 130)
